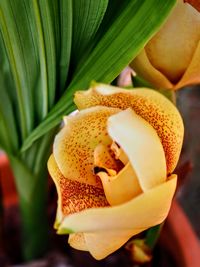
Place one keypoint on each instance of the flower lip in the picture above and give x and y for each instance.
(99, 169)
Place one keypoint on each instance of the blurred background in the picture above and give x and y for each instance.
(188, 102)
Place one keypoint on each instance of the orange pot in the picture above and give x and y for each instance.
(180, 239)
(7, 184)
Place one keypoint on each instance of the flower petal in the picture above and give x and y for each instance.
(150, 105)
(170, 50)
(138, 138)
(142, 212)
(122, 187)
(102, 244)
(72, 195)
(119, 153)
(77, 241)
(192, 74)
(104, 159)
(143, 67)
(75, 143)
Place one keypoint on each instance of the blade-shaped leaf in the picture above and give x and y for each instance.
(127, 35)
(8, 131)
(16, 34)
(8, 117)
(47, 18)
(87, 17)
(65, 42)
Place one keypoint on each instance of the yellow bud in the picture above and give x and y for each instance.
(171, 59)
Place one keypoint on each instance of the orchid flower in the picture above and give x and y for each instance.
(171, 59)
(112, 165)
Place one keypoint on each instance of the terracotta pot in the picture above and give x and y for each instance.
(180, 239)
(7, 185)
(177, 239)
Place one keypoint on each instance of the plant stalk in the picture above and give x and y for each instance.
(31, 183)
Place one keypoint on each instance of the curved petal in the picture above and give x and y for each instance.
(77, 241)
(138, 138)
(122, 187)
(171, 49)
(150, 105)
(102, 244)
(119, 153)
(132, 215)
(143, 67)
(192, 74)
(104, 159)
(72, 195)
(74, 145)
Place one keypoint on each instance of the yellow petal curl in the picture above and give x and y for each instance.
(156, 109)
(142, 146)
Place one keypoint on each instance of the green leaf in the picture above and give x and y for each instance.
(124, 39)
(87, 17)
(152, 235)
(65, 43)
(47, 19)
(15, 33)
(8, 129)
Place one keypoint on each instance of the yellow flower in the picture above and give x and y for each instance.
(171, 59)
(112, 164)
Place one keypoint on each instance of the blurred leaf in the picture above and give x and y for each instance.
(8, 118)
(123, 40)
(152, 235)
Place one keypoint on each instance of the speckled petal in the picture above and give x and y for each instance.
(143, 67)
(122, 187)
(74, 145)
(72, 195)
(142, 212)
(150, 105)
(104, 159)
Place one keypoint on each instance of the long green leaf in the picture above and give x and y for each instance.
(87, 17)
(8, 131)
(18, 34)
(127, 35)
(14, 46)
(46, 12)
(65, 42)
(42, 58)
(8, 117)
